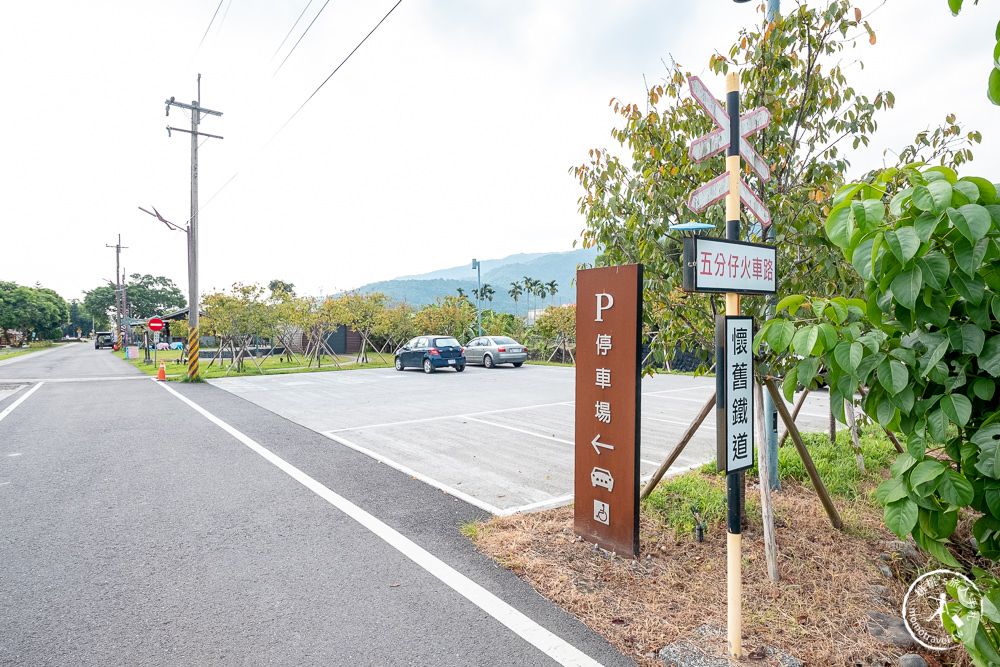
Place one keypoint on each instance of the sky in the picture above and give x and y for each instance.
(447, 136)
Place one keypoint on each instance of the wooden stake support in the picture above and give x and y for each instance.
(672, 456)
(800, 446)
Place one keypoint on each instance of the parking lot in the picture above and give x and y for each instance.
(501, 439)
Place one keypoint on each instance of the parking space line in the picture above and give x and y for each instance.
(520, 430)
(524, 627)
(558, 501)
(657, 394)
(472, 500)
(668, 421)
(460, 416)
(13, 406)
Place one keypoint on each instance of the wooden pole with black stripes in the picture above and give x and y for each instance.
(734, 546)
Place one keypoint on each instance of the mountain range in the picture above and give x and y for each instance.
(422, 289)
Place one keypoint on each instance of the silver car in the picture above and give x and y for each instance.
(492, 350)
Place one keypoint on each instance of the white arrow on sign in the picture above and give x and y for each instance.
(718, 140)
(597, 444)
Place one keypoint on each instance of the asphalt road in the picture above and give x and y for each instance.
(145, 523)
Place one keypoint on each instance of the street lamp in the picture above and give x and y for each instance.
(479, 294)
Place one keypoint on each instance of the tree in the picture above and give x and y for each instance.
(923, 347)
(450, 316)
(557, 329)
(487, 292)
(99, 303)
(32, 310)
(362, 313)
(149, 296)
(460, 291)
(278, 287)
(515, 291)
(552, 287)
(791, 66)
(236, 319)
(79, 319)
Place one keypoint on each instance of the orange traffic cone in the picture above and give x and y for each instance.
(162, 373)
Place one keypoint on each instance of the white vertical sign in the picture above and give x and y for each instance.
(739, 393)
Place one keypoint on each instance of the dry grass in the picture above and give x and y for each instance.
(816, 612)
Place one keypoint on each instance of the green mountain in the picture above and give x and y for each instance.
(422, 289)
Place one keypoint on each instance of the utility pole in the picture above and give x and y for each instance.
(118, 292)
(196, 111)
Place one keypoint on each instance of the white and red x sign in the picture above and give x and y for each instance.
(717, 141)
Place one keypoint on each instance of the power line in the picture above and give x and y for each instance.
(302, 36)
(209, 25)
(290, 118)
(292, 29)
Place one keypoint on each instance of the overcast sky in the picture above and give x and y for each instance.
(448, 135)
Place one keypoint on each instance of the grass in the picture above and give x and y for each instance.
(705, 489)
(270, 366)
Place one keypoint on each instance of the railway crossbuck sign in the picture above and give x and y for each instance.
(719, 140)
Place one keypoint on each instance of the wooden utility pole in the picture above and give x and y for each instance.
(196, 110)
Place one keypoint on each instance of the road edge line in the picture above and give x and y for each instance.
(529, 630)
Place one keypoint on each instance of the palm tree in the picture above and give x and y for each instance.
(538, 287)
(529, 289)
(487, 292)
(461, 292)
(515, 291)
(552, 287)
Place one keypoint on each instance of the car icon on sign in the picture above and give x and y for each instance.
(602, 477)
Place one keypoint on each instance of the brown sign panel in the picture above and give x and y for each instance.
(608, 330)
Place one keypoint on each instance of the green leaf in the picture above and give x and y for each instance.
(989, 360)
(792, 303)
(924, 226)
(807, 370)
(840, 226)
(955, 489)
(790, 384)
(937, 425)
(993, 87)
(967, 339)
(837, 310)
(925, 471)
(971, 220)
(891, 490)
(897, 201)
(893, 375)
(984, 388)
(846, 193)
(934, 197)
(780, 335)
(970, 288)
(903, 243)
(901, 516)
(849, 355)
(969, 256)
(989, 457)
(935, 269)
(902, 463)
(955, 6)
(939, 551)
(868, 214)
(958, 408)
(862, 259)
(907, 285)
(804, 340)
(987, 191)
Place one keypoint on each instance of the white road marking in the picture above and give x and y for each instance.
(668, 421)
(552, 645)
(13, 406)
(542, 504)
(460, 416)
(93, 379)
(520, 430)
(472, 500)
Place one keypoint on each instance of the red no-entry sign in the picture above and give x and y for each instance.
(155, 324)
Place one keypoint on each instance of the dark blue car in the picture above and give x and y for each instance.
(431, 353)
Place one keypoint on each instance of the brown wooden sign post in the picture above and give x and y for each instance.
(608, 329)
